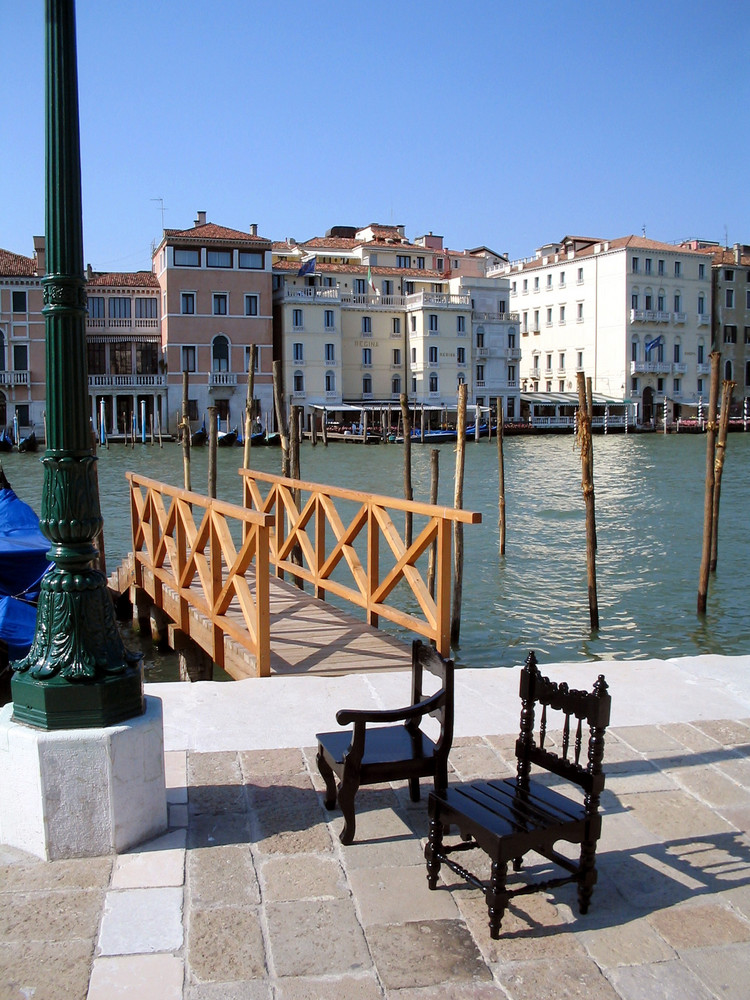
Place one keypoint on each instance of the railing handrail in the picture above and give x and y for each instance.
(199, 500)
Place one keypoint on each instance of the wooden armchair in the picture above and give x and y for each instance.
(364, 756)
(506, 819)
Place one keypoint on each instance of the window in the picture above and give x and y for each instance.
(396, 385)
(536, 283)
(414, 383)
(19, 302)
(396, 356)
(660, 267)
(366, 324)
(121, 359)
(367, 385)
(461, 324)
(187, 258)
(119, 307)
(728, 274)
(562, 314)
(549, 281)
(549, 316)
(747, 299)
(298, 352)
(676, 353)
(187, 303)
(647, 264)
(562, 279)
(480, 338)
(188, 359)
(403, 260)
(95, 306)
(461, 355)
(396, 327)
(701, 270)
(549, 362)
(536, 321)
(461, 378)
(730, 334)
(677, 302)
(298, 381)
(634, 300)
(525, 285)
(408, 288)
(97, 362)
(511, 338)
(701, 354)
(580, 275)
(297, 319)
(330, 382)
(251, 259)
(513, 288)
(413, 355)
(549, 386)
(247, 359)
(747, 334)
(433, 355)
(729, 298)
(660, 303)
(220, 304)
(328, 319)
(480, 373)
(420, 263)
(634, 385)
(649, 301)
(360, 286)
(660, 385)
(433, 322)
(634, 350)
(387, 287)
(220, 354)
(701, 305)
(579, 360)
(700, 385)
(219, 258)
(579, 314)
(367, 357)
(561, 360)
(677, 269)
(636, 265)
(251, 305)
(439, 264)
(728, 371)
(145, 359)
(330, 352)
(433, 382)
(145, 308)
(561, 385)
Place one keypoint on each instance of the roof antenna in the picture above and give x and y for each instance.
(161, 203)
(643, 229)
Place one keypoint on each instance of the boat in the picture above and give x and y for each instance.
(471, 431)
(6, 440)
(28, 443)
(273, 440)
(430, 437)
(199, 438)
(23, 563)
(226, 438)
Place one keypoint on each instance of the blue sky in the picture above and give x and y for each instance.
(505, 124)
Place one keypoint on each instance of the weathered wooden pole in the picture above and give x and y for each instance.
(421, 425)
(708, 502)
(213, 442)
(408, 494)
(587, 485)
(185, 431)
(458, 528)
(294, 436)
(365, 415)
(500, 476)
(434, 478)
(314, 428)
(325, 427)
(249, 405)
(590, 408)
(278, 402)
(721, 454)
(477, 421)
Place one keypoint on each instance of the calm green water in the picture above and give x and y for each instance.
(649, 496)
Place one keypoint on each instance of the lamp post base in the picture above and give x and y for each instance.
(58, 703)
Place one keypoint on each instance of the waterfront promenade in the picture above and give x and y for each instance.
(250, 896)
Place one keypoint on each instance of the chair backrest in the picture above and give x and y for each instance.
(426, 657)
(578, 708)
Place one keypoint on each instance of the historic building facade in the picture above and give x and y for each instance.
(22, 351)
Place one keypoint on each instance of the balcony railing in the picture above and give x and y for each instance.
(310, 293)
(217, 380)
(129, 323)
(126, 381)
(650, 367)
(702, 369)
(491, 317)
(679, 317)
(14, 378)
(703, 319)
(437, 299)
(354, 300)
(513, 354)
(483, 352)
(679, 368)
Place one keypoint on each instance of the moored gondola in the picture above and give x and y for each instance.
(28, 443)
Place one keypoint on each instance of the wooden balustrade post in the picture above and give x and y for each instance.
(434, 478)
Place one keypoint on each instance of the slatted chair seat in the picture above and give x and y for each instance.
(375, 750)
(509, 818)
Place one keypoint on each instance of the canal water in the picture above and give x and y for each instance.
(649, 506)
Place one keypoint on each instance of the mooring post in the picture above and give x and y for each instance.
(213, 443)
(708, 502)
(587, 485)
(434, 478)
(721, 454)
(500, 475)
(185, 430)
(458, 528)
(249, 405)
(408, 494)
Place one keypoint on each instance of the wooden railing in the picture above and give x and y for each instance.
(313, 536)
(186, 559)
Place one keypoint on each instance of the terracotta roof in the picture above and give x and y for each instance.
(334, 242)
(124, 279)
(621, 243)
(725, 257)
(361, 269)
(210, 231)
(279, 246)
(16, 265)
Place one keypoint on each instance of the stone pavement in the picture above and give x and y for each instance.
(250, 896)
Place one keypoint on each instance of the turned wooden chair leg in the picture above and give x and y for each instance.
(330, 779)
(347, 791)
(431, 852)
(587, 877)
(414, 789)
(497, 897)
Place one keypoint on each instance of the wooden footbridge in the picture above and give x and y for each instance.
(231, 578)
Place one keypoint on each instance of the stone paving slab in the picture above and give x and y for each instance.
(252, 896)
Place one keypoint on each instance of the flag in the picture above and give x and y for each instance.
(651, 344)
(307, 268)
(370, 282)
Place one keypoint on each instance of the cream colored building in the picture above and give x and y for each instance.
(632, 313)
(22, 346)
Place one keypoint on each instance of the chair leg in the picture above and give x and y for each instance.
(587, 875)
(432, 852)
(517, 864)
(330, 779)
(414, 789)
(497, 897)
(347, 791)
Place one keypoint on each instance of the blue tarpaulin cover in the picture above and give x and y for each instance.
(23, 563)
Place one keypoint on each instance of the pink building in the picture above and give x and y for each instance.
(22, 379)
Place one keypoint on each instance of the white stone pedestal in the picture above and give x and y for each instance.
(82, 792)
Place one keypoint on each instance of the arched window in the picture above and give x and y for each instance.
(634, 348)
(396, 385)
(367, 385)
(701, 352)
(220, 354)
(648, 298)
(330, 382)
(2, 351)
(299, 381)
(728, 371)
(461, 380)
(433, 382)
(677, 351)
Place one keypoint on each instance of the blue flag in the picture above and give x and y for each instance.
(307, 268)
(651, 344)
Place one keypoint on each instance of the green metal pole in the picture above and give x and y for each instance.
(78, 672)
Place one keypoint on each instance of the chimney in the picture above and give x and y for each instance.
(253, 229)
(40, 254)
(200, 219)
(737, 253)
(89, 272)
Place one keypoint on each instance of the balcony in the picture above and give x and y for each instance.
(310, 293)
(650, 367)
(122, 324)
(14, 378)
(703, 319)
(220, 380)
(127, 381)
(650, 316)
(433, 395)
(332, 394)
(513, 354)
(702, 369)
(679, 317)
(483, 352)
(679, 368)
(351, 300)
(491, 317)
(366, 395)
(438, 299)
(480, 383)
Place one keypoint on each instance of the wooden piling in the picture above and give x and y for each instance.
(434, 478)
(422, 426)
(721, 454)
(249, 405)
(590, 409)
(213, 442)
(314, 428)
(408, 494)
(587, 485)
(278, 402)
(500, 476)
(325, 427)
(458, 528)
(477, 421)
(185, 430)
(708, 502)
(364, 426)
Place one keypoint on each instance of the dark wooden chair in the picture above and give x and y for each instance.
(507, 819)
(364, 756)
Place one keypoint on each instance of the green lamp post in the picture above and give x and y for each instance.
(78, 673)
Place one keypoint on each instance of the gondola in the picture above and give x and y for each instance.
(273, 440)
(6, 440)
(28, 443)
(199, 437)
(226, 438)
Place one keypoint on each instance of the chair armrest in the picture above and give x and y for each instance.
(346, 715)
